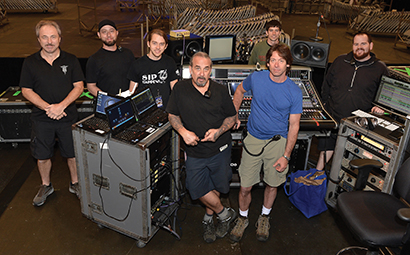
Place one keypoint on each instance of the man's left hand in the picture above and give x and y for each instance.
(280, 164)
(210, 136)
(55, 111)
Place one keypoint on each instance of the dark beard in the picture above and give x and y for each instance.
(110, 44)
(362, 56)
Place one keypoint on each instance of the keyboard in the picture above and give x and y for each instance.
(135, 133)
(158, 118)
(96, 124)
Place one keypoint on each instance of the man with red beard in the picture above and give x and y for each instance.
(107, 68)
(351, 83)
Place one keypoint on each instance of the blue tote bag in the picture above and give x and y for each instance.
(307, 191)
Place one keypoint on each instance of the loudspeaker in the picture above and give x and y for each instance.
(309, 53)
(187, 47)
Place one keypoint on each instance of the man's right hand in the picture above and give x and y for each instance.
(55, 111)
(190, 138)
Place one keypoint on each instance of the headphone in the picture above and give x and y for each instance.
(369, 123)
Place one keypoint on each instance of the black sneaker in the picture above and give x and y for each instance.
(223, 225)
(74, 188)
(42, 194)
(209, 231)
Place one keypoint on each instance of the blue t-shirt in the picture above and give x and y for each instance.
(271, 105)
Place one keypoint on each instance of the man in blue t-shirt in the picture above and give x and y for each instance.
(273, 127)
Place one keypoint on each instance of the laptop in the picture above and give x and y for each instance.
(147, 110)
(120, 116)
(123, 123)
(98, 123)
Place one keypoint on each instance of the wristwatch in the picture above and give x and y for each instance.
(287, 158)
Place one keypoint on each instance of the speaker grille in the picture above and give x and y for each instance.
(187, 47)
(301, 51)
(309, 53)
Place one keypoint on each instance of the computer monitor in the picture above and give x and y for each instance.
(120, 115)
(394, 95)
(143, 101)
(221, 48)
(232, 88)
(103, 101)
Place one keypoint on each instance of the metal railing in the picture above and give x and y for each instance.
(29, 5)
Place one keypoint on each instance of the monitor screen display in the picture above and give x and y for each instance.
(120, 114)
(143, 101)
(394, 95)
(232, 88)
(103, 101)
(221, 48)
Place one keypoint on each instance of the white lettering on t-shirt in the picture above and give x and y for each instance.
(155, 78)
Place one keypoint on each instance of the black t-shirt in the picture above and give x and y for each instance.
(199, 114)
(109, 69)
(157, 74)
(52, 83)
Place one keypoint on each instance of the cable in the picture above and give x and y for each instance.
(122, 171)
(100, 188)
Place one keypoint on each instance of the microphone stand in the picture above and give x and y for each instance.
(317, 38)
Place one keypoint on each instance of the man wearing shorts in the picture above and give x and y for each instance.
(272, 133)
(202, 112)
(52, 79)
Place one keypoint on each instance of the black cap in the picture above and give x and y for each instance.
(106, 22)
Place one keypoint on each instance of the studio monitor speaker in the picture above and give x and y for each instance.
(309, 53)
(187, 47)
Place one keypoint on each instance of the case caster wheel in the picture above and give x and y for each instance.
(14, 145)
(140, 244)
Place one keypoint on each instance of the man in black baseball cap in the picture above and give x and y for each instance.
(107, 69)
(106, 22)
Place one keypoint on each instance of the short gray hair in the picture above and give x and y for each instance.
(42, 23)
(200, 54)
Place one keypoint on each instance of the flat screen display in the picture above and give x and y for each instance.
(221, 48)
(232, 88)
(143, 101)
(103, 101)
(394, 95)
(120, 114)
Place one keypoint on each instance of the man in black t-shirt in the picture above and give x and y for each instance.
(156, 70)
(107, 69)
(202, 112)
(52, 79)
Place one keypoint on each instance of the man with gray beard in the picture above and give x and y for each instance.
(202, 112)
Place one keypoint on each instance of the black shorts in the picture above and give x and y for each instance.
(327, 143)
(43, 138)
(207, 174)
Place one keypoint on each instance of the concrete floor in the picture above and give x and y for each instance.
(59, 227)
